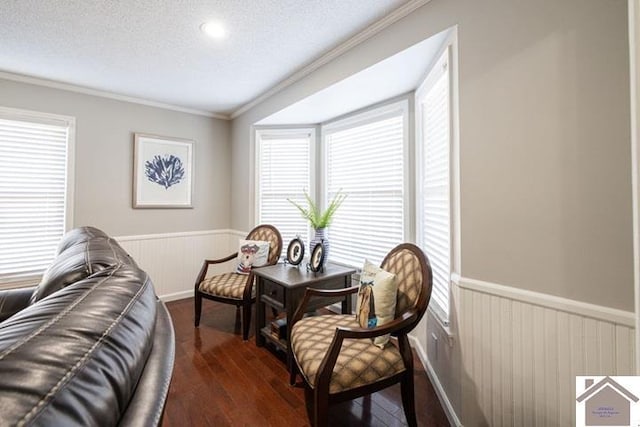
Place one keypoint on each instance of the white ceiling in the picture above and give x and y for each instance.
(154, 49)
(396, 75)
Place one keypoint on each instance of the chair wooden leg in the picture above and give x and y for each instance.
(408, 399)
(197, 309)
(293, 373)
(246, 320)
(320, 410)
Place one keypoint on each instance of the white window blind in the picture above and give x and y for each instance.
(365, 161)
(33, 195)
(434, 217)
(284, 171)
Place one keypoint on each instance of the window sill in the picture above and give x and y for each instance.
(444, 325)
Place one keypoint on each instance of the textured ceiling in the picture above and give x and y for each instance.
(154, 49)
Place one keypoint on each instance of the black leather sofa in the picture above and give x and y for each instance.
(91, 345)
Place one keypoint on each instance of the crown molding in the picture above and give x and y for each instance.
(105, 94)
(349, 44)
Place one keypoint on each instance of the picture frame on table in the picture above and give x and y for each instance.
(295, 251)
(162, 172)
(316, 260)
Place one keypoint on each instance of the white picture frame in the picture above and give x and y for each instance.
(162, 172)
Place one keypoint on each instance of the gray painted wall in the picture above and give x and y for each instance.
(104, 159)
(544, 139)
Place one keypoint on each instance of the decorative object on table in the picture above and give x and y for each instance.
(252, 253)
(320, 220)
(295, 251)
(162, 172)
(317, 259)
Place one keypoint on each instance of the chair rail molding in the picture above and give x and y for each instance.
(173, 260)
(612, 315)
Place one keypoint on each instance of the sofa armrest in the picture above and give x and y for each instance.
(13, 301)
(146, 407)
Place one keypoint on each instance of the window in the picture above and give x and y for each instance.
(35, 196)
(284, 170)
(365, 157)
(433, 119)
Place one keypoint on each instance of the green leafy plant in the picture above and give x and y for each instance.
(316, 218)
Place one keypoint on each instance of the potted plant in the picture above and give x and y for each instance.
(318, 219)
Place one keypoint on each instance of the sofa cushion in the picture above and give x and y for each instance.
(75, 357)
(81, 253)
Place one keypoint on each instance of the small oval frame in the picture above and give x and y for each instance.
(293, 257)
(316, 260)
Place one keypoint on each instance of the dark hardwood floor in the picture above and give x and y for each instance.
(219, 380)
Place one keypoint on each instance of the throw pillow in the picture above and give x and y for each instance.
(252, 253)
(376, 304)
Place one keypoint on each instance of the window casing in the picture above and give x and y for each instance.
(434, 136)
(285, 159)
(365, 157)
(36, 195)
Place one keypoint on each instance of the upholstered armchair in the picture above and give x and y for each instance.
(338, 359)
(235, 288)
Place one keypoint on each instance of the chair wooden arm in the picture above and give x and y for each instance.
(328, 363)
(221, 260)
(311, 292)
(388, 328)
(205, 267)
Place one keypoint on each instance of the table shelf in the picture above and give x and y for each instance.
(280, 343)
(272, 302)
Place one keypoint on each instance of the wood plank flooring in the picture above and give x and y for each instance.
(220, 380)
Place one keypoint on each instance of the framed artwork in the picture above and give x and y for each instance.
(295, 251)
(162, 172)
(317, 258)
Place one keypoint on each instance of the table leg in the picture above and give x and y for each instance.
(260, 317)
(291, 308)
(346, 302)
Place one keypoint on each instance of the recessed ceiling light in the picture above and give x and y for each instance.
(214, 29)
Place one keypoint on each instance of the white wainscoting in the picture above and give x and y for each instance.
(173, 260)
(515, 354)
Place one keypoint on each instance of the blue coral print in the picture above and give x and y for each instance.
(164, 170)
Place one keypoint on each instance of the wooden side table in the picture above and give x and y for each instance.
(282, 287)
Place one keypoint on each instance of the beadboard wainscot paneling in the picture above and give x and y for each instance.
(173, 260)
(510, 356)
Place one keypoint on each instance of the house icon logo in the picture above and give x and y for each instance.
(605, 401)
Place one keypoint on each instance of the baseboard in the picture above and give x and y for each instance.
(176, 296)
(442, 396)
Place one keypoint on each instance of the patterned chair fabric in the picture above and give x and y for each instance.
(269, 235)
(337, 368)
(360, 361)
(230, 285)
(406, 266)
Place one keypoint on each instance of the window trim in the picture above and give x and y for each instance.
(373, 113)
(276, 132)
(448, 51)
(57, 120)
(18, 114)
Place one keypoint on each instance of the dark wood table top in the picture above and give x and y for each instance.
(292, 276)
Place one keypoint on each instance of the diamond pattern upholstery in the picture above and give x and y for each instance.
(269, 235)
(360, 361)
(406, 266)
(229, 285)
